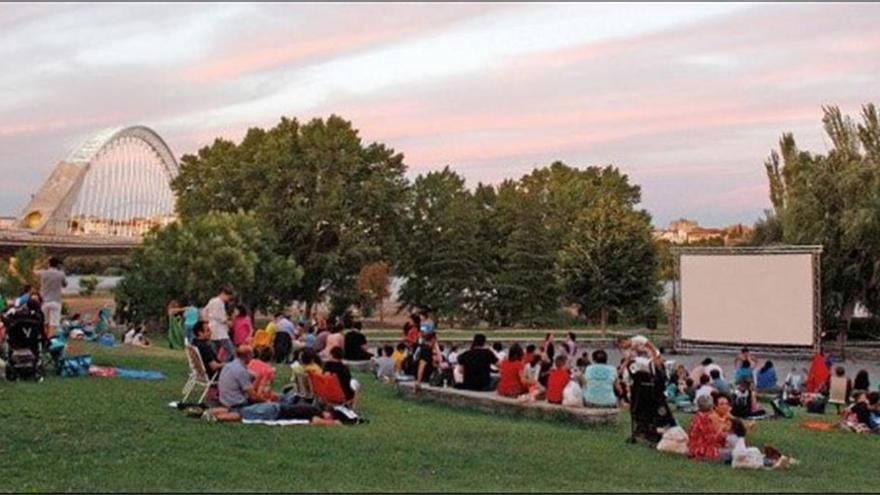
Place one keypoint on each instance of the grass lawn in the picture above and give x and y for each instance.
(111, 434)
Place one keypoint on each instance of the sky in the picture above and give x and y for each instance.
(687, 99)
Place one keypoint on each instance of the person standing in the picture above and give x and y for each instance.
(52, 281)
(218, 322)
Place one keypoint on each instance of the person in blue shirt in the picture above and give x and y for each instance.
(600, 377)
(719, 383)
(743, 371)
(766, 377)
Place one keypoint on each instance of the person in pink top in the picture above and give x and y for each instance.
(242, 328)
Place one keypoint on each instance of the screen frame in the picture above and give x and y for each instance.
(815, 253)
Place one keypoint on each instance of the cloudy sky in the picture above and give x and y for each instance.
(687, 99)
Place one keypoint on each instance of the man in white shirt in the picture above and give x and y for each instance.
(218, 321)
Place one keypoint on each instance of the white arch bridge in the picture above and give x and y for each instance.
(109, 191)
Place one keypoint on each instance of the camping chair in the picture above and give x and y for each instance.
(198, 376)
(327, 388)
(837, 392)
(262, 338)
(301, 385)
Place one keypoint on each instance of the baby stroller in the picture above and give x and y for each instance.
(24, 344)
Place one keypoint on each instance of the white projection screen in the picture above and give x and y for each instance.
(749, 296)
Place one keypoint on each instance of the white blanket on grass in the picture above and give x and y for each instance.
(275, 422)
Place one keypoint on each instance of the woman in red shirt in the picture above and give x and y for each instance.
(705, 440)
(513, 382)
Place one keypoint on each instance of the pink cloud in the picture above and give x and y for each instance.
(56, 124)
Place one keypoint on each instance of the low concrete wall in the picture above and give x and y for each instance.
(493, 403)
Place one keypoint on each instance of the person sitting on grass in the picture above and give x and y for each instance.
(745, 402)
(862, 382)
(600, 378)
(264, 375)
(859, 416)
(383, 366)
(720, 415)
(355, 343)
(720, 384)
(705, 440)
(202, 343)
(238, 397)
(335, 339)
(308, 362)
(558, 379)
(766, 380)
(745, 457)
(529, 354)
(135, 337)
(705, 388)
(513, 382)
(334, 365)
(744, 371)
(476, 366)
(793, 386)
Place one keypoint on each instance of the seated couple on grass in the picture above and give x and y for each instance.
(715, 435)
(331, 373)
(243, 395)
(863, 415)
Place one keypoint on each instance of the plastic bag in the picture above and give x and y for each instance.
(572, 395)
(675, 440)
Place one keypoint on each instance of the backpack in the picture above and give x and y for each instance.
(780, 408)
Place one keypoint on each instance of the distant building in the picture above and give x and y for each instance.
(7, 222)
(684, 231)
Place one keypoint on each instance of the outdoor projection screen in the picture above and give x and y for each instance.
(749, 296)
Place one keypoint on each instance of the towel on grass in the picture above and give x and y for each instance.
(275, 422)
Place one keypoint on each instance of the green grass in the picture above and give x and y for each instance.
(110, 434)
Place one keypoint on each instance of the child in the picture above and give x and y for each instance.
(558, 379)
(399, 356)
(706, 388)
(745, 457)
(384, 365)
(637, 344)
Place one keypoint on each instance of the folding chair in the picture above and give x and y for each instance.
(300, 385)
(327, 388)
(198, 376)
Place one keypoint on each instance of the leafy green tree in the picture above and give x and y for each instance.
(333, 201)
(526, 289)
(442, 257)
(18, 272)
(188, 261)
(87, 285)
(832, 200)
(608, 262)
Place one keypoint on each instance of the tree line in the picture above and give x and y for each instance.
(309, 212)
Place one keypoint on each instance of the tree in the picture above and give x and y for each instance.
(87, 285)
(608, 261)
(442, 256)
(188, 261)
(832, 200)
(526, 289)
(373, 284)
(333, 201)
(19, 271)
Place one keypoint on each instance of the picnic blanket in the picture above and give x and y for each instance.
(275, 422)
(108, 372)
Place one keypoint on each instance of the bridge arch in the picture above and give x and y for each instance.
(116, 183)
